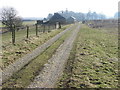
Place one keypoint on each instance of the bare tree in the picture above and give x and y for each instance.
(18, 21)
(11, 20)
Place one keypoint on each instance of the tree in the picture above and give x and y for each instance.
(89, 15)
(49, 16)
(95, 16)
(18, 21)
(117, 15)
(101, 16)
(11, 20)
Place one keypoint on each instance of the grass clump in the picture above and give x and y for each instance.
(12, 53)
(27, 74)
(94, 63)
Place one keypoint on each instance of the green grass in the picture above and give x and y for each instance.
(1, 25)
(12, 53)
(24, 23)
(21, 34)
(29, 22)
(93, 62)
(27, 74)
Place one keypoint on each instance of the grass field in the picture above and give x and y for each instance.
(25, 76)
(24, 45)
(93, 62)
(0, 24)
(29, 22)
(24, 23)
(21, 34)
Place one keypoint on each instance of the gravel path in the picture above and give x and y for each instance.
(48, 77)
(18, 64)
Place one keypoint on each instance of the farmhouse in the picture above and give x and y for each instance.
(43, 22)
(57, 18)
(71, 20)
(39, 22)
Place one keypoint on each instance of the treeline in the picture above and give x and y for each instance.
(117, 15)
(80, 16)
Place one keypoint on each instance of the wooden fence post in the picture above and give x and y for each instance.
(27, 31)
(59, 25)
(14, 34)
(36, 29)
(55, 26)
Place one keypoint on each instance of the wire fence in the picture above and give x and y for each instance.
(25, 32)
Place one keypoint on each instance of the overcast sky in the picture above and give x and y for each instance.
(41, 8)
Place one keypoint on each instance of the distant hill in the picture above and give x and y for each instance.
(31, 18)
(80, 16)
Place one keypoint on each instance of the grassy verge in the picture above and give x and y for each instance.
(93, 62)
(22, 33)
(24, 23)
(1, 25)
(12, 53)
(29, 22)
(23, 78)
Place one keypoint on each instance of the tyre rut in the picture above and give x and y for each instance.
(48, 77)
(17, 65)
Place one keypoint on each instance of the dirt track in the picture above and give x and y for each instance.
(18, 64)
(48, 77)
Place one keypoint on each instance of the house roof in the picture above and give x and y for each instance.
(71, 17)
(56, 16)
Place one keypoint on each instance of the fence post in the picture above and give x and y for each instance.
(14, 34)
(55, 26)
(59, 25)
(27, 31)
(36, 29)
